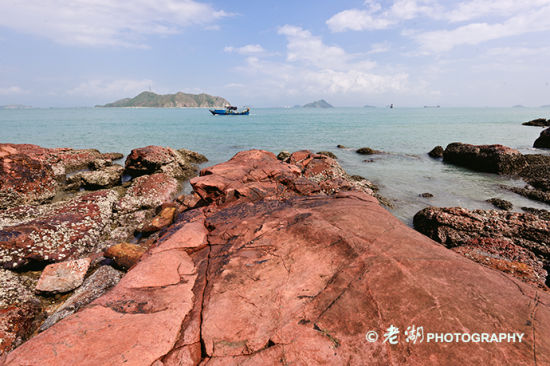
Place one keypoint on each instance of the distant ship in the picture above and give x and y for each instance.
(230, 111)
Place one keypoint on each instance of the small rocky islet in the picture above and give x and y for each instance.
(270, 259)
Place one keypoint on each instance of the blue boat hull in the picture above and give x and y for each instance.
(224, 112)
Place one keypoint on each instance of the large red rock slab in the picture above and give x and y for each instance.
(64, 276)
(57, 232)
(24, 180)
(136, 323)
(517, 243)
(158, 159)
(149, 191)
(486, 158)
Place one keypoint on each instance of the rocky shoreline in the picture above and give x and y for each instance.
(267, 261)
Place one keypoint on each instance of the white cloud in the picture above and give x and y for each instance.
(479, 8)
(12, 90)
(356, 20)
(104, 22)
(249, 49)
(476, 33)
(110, 88)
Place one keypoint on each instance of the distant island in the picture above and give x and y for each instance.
(178, 100)
(15, 106)
(518, 106)
(368, 106)
(318, 104)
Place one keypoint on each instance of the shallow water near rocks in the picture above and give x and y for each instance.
(405, 134)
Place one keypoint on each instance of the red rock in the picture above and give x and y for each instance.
(149, 191)
(158, 159)
(24, 180)
(125, 255)
(514, 242)
(57, 232)
(486, 158)
(295, 280)
(64, 276)
(162, 220)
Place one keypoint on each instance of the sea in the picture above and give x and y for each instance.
(405, 135)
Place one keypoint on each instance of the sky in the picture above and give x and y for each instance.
(64, 53)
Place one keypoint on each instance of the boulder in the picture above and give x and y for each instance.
(158, 159)
(544, 139)
(55, 232)
(93, 287)
(328, 153)
(295, 279)
(106, 177)
(503, 240)
(148, 191)
(125, 255)
(367, 151)
(436, 152)
(283, 155)
(426, 195)
(24, 180)
(497, 159)
(539, 122)
(192, 156)
(63, 277)
(501, 204)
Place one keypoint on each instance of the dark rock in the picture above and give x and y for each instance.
(436, 152)
(283, 155)
(507, 241)
(369, 161)
(125, 255)
(367, 151)
(539, 122)
(500, 203)
(157, 159)
(544, 139)
(486, 158)
(55, 232)
(543, 214)
(341, 146)
(532, 194)
(192, 156)
(426, 195)
(328, 153)
(94, 286)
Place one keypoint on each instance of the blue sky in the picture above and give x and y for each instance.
(277, 53)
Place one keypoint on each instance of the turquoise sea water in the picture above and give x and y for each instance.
(405, 134)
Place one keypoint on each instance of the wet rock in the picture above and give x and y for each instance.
(63, 277)
(295, 279)
(508, 237)
(542, 214)
(532, 193)
(436, 152)
(149, 191)
(18, 309)
(328, 153)
(55, 232)
(106, 177)
(486, 158)
(24, 180)
(426, 195)
(367, 151)
(500, 203)
(93, 287)
(544, 139)
(125, 255)
(283, 155)
(341, 146)
(158, 159)
(192, 156)
(539, 122)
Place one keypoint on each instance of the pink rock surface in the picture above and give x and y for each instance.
(295, 280)
(64, 276)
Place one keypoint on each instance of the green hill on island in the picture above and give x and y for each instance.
(318, 104)
(178, 100)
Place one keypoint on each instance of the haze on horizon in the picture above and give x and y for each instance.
(277, 53)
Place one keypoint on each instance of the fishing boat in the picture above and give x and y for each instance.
(230, 111)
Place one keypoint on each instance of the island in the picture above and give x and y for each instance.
(318, 104)
(15, 106)
(178, 100)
